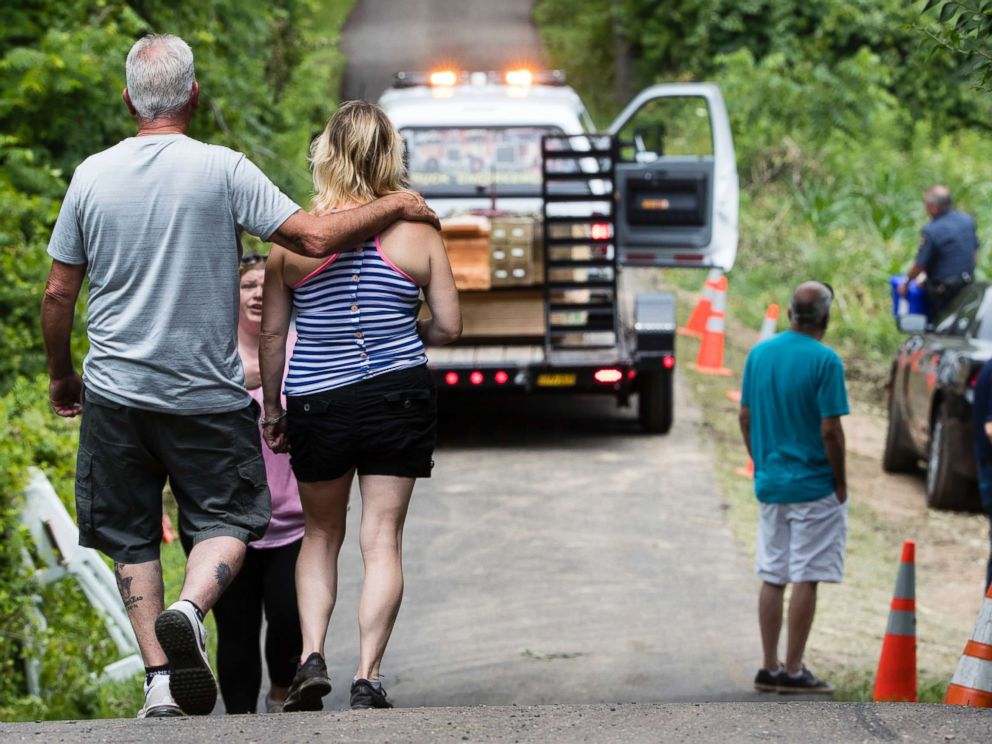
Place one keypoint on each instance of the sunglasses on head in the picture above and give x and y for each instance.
(252, 259)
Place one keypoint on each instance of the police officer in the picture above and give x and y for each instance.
(947, 250)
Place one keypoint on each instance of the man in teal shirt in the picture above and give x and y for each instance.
(792, 398)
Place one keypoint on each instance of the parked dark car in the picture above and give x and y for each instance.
(931, 390)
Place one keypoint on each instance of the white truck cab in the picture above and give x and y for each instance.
(476, 144)
(543, 214)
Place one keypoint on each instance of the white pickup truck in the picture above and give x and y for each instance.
(545, 220)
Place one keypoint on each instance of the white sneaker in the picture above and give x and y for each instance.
(184, 640)
(271, 704)
(158, 699)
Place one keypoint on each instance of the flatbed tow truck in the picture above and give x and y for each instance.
(547, 221)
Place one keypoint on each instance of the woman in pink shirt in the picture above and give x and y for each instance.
(266, 580)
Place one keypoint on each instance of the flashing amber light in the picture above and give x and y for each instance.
(501, 378)
(475, 378)
(451, 378)
(600, 231)
(519, 77)
(607, 376)
(668, 362)
(443, 77)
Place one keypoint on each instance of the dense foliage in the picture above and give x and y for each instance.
(964, 27)
(269, 74)
(843, 112)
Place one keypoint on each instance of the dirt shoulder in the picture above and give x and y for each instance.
(885, 510)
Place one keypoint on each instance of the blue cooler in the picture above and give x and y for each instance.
(915, 301)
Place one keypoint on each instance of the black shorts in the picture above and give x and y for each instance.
(213, 463)
(386, 425)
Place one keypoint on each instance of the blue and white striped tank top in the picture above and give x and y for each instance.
(355, 319)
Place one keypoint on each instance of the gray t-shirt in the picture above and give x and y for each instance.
(157, 221)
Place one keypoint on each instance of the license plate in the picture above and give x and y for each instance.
(557, 380)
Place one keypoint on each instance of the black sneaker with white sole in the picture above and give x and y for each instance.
(765, 681)
(805, 684)
(310, 684)
(181, 635)
(366, 695)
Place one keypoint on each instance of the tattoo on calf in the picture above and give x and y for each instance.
(223, 575)
(124, 587)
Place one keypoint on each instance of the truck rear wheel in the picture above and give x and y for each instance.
(655, 401)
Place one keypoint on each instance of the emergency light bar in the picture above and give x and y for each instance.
(445, 78)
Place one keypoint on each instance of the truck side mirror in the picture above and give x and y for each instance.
(912, 323)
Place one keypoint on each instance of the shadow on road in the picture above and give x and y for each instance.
(542, 422)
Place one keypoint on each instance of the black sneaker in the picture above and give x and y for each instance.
(181, 635)
(366, 695)
(309, 685)
(804, 684)
(765, 681)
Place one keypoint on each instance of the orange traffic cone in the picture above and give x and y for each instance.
(710, 358)
(896, 678)
(972, 683)
(696, 325)
(168, 534)
(747, 471)
(769, 324)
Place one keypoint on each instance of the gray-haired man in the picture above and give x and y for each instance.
(792, 398)
(948, 247)
(155, 222)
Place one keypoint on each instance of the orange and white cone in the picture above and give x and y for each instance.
(709, 361)
(696, 324)
(168, 533)
(896, 678)
(972, 683)
(770, 324)
(747, 471)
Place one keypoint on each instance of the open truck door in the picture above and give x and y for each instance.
(676, 186)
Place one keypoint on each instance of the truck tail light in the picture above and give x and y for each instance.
(600, 231)
(451, 378)
(607, 376)
(501, 378)
(476, 378)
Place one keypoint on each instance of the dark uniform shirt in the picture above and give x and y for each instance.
(947, 247)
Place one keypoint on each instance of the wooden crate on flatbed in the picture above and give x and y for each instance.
(500, 313)
(467, 242)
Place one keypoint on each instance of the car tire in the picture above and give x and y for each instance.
(655, 400)
(899, 455)
(946, 488)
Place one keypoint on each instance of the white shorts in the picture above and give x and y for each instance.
(802, 542)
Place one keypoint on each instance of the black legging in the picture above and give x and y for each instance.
(266, 580)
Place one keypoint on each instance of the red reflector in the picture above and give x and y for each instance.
(973, 380)
(600, 231)
(451, 378)
(688, 258)
(475, 378)
(668, 362)
(649, 257)
(501, 378)
(631, 374)
(608, 375)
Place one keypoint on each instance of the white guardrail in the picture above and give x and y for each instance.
(57, 541)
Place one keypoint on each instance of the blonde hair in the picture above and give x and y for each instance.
(357, 158)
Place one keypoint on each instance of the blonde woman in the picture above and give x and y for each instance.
(360, 398)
